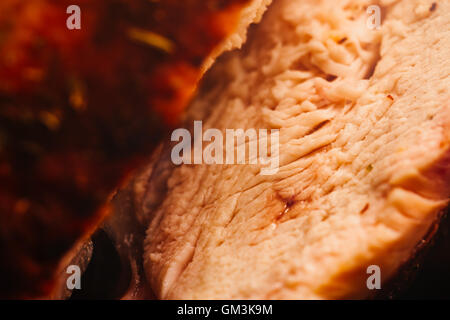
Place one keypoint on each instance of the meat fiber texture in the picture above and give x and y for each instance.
(364, 122)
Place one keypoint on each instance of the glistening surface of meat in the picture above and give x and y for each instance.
(80, 109)
(364, 123)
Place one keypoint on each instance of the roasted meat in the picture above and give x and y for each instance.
(364, 157)
(79, 109)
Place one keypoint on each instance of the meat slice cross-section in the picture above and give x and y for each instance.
(364, 120)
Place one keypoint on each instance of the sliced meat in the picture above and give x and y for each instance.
(364, 122)
(81, 109)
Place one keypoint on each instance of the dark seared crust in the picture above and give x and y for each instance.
(80, 109)
(403, 285)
